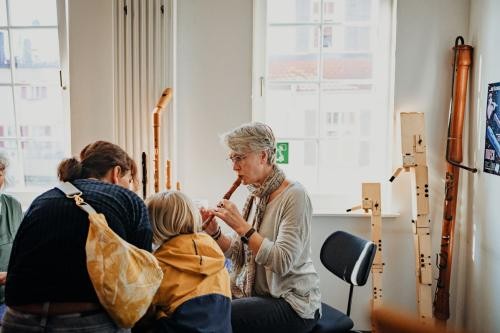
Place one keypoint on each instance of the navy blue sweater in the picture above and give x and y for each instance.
(48, 261)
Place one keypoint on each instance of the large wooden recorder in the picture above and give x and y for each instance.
(165, 98)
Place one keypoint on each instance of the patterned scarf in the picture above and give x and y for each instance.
(243, 272)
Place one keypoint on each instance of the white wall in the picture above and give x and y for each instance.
(483, 256)
(213, 89)
(90, 34)
(214, 95)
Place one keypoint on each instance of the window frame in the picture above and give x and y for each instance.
(259, 82)
(25, 194)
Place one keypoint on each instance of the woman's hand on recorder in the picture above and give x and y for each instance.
(209, 225)
(229, 213)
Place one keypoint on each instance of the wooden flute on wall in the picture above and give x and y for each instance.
(165, 98)
(168, 176)
(144, 175)
(461, 66)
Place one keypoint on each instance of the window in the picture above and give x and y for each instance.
(322, 81)
(33, 119)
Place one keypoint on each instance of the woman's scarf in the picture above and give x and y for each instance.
(243, 261)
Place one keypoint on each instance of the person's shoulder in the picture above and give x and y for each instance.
(296, 196)
(50, 199)
(97, 187)
(10, 199)
(11, 202)
(93, 185)
(295, 189)
(49, 195)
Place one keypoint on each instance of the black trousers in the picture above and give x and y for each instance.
(268, 314)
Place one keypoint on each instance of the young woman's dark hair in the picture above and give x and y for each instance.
(96, 159)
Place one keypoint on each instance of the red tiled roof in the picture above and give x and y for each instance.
(306, 67)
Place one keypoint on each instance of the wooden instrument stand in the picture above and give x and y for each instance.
(371, 203)
(413, 145)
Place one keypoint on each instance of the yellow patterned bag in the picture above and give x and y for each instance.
(124, 277)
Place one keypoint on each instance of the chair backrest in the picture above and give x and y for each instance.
(348, 257)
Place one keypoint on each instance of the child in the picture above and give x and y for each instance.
(195, 294)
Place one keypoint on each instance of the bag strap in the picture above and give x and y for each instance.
(72, 192)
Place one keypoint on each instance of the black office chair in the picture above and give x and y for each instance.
(349, 258)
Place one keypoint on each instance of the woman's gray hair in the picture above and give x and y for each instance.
(252, 137)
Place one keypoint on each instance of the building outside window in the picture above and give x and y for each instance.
(322, 81)
(34, 119)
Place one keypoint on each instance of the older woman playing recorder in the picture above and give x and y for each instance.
(275, 286)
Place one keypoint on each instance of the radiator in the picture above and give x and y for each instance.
(144, 54)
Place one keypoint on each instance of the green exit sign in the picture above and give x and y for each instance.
(282, 152)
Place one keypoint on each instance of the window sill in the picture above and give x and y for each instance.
(329, 213)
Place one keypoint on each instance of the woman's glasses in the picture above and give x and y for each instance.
(237, 158)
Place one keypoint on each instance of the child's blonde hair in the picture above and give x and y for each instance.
(172, 213)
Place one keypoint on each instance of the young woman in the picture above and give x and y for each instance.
(48, 287)
(274, 284)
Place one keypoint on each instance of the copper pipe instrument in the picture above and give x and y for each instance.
(454, 156)
(165, 98)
